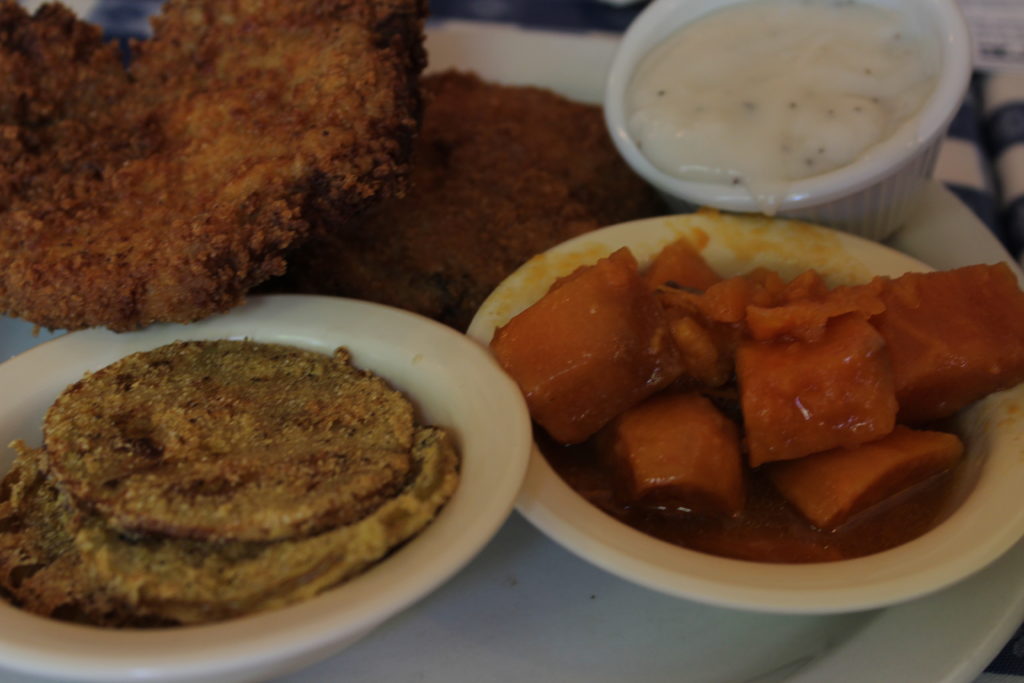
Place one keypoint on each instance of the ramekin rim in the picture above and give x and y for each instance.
(936, 116)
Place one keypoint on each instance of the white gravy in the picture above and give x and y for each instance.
(768, 92)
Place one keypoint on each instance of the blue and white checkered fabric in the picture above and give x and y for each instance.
(963, 164)
(1004, 123)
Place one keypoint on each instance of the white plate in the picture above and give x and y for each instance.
(985, 521)
(451, 381)
(525, 609)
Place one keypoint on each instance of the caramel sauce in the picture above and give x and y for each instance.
(768, 529)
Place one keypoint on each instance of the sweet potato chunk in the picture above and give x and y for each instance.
(803, 397)
(954, 336)
(596, 344)
(680, 263)
(678, 450)
(727, 301)
(805, 316)
(828, 488)
(807, 285)
(706, 349)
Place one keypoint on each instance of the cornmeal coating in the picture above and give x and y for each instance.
(230, 440)
(40, 569)
(68, 564)
(165, 191)
(199, 581)
(206, 480)
(500, 173)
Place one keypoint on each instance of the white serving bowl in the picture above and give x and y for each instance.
(452, 381)
(987, 520)
(873, 195)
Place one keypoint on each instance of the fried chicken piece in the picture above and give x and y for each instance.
(165, 192)
(500, 173)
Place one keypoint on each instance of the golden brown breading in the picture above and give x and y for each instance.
(40, 569)
(189, 581)
(203, 480)
(499, 174)
(230, 439)
(165, 192)
(58, 79)
(61, 562)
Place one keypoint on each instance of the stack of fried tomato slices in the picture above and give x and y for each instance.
(205, 480)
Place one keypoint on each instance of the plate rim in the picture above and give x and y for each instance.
(816, 588)
(260, 642)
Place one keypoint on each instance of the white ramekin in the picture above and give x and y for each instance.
(871, 196)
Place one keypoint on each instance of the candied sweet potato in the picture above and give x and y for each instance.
(681, 264)
(806, 312)
(706, 349)
(596, 344)
(770, 308)
(807, 285)
(803, 397)
(829, 488)
(726, 301)
(954, 336)
(678, 450)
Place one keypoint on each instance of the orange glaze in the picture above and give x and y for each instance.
(768, 529)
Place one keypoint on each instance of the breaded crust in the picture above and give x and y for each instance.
(195, 581)
(500, 173)
(236, 440)
(40, 569)
(59, 562)
(165, 192)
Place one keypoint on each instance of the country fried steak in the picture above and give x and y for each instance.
(500, 173)
(165, 191)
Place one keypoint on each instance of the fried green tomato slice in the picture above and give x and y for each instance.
(190, 581)
(230, 440)
(40, 569)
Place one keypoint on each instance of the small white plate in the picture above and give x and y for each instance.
(450, 379)
(984, 525)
